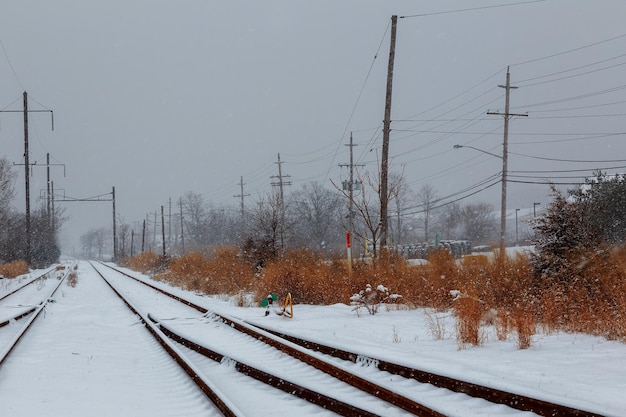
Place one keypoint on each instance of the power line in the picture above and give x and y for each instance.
(358, 99)
(571, 69)
(567, 160)
(570, 50)
(595, 136)
(470, 9)
(579, 97)
(580, 107)
(6, 55)
(575, 75)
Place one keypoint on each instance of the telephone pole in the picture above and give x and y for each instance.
(384, 164)
(350, 187)
(505, 151)
(242, 195)
(280, 184)
(182, 226)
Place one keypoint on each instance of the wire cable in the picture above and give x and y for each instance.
(358, 99)
(470, 9)
(6, 55)
(570, 50)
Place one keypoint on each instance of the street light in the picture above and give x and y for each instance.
(477, 149)
(535, 209)
(503, 198)
(516, 230)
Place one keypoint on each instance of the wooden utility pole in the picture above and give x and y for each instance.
(241, 195)
(351, 166)
(505, 152)
(143, 236)
(169, 225)
(182, 225)
(163, 229)
(384, 164)
(281, 183)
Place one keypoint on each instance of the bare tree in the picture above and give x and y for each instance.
(195, 219)
(367, 226)
(400, 197)
(266, 222)
(316, 214)
(7, 192)
(426, 198)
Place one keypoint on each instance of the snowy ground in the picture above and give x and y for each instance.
(579, 370)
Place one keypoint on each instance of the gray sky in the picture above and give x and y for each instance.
(158, 98)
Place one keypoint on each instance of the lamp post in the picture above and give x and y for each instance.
(535, 209)
(503, 198)
(516, 229)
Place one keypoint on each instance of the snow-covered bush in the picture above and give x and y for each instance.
(371, 299)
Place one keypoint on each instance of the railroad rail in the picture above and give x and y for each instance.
(40, 277)
(227, 408)
(520, 402)
(513, 400)
(380, 393)
(4, 354)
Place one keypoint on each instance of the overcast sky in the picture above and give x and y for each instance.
(158, 98)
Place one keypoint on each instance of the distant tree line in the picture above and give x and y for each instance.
(44, 228)
(313, 216)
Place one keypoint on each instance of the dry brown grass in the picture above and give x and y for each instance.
(591, 298)
(72, 279)
(145, 262)
(524, 324)
(224, 272)
(14, 269)
(307, 277)
(469, 312)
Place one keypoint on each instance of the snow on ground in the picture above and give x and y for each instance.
(575, 369)
(579, 370)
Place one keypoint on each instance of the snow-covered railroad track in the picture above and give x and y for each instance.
(518, 401)
(261, 364)
(88, 356)
(445, 401)
(26, 284)
(13, 338)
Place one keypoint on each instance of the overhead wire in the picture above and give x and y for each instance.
(6, 55)
(358, 99)
(569, 50)
(471, 9)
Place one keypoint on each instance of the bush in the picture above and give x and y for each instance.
(145, 262)
(14, 269)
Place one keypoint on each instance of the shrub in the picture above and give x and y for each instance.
(14, 269)
(145, 262)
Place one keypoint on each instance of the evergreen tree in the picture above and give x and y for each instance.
(562, 234)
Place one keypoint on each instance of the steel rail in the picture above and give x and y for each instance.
(18, 316)
(314, 397)
(27, 284)
(517, 401)
(225, 406)
(350, 378)
(7, 351)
